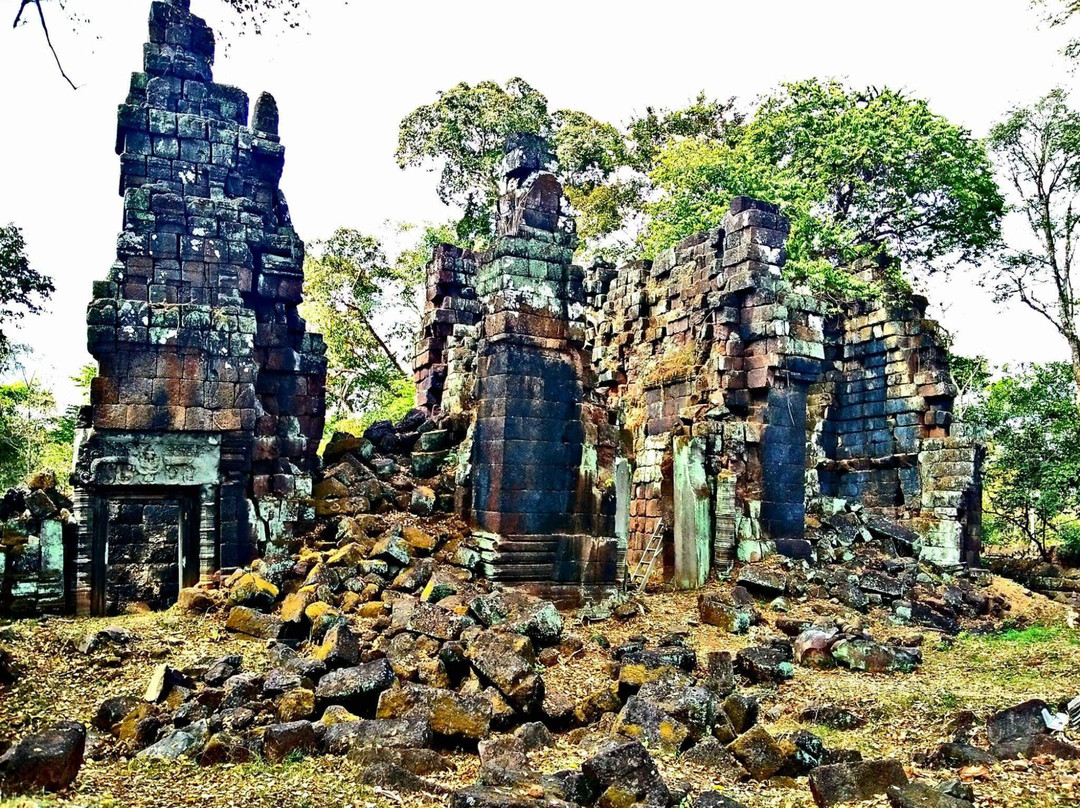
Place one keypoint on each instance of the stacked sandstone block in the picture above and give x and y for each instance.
(196, 329)
(446, 347)
(794, 399)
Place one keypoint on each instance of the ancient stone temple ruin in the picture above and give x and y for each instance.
(696, 407)
(197, 450)
(684, 412)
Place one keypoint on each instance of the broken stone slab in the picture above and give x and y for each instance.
(181, 743)
(866, 655)
(386, 774)
(508, 662)
(714, 611)
(758, 752)
(248, 621)
(766, 663)
(763, 580)
(643, 720)
(628, 766)
(504, 797)
(921, 795)
(254, 591)
(539, 620)
(416, 761)
(1017, 722)
(710, 753)
(428, 619)
(162, 681)
(1031, 746)
(48, 760)
(382, 733)
(112, 711)
(504, 761)
(280, 741)
(340, 648)
(357, 689)
(449, 714)
(851, 782)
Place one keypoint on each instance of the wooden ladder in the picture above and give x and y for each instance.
(641, 573)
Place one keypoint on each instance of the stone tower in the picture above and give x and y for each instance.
(197, 449)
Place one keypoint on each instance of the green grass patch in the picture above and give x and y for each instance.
(1032, 635)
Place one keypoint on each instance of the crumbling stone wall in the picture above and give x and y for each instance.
(529, 474)
(736, 407)
(209, 400)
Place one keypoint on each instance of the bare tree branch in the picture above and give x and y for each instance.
(48, 38)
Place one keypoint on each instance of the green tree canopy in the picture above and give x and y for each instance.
(365, 306)
(1032, 473)
(861, 172)
(23, 289)
(465, 131)
(1038, 147)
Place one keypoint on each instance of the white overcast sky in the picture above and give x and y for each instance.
(345, 80)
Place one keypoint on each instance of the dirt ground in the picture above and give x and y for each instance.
(907, 712)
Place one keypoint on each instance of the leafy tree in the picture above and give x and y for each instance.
(34, 434)
(1058, 13)
(1039, 149)
(706, 119)
(22, 288)
(366, 308)
(971, 375)
(863, 174)
(1032, 473)
(465, 130)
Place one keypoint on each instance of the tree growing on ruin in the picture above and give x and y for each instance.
(23, 290)
(463, 134)
(1038, 147)
(862, 173)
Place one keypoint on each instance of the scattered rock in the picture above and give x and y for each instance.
(44, 761)
(851, 782)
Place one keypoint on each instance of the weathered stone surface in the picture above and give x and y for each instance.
(381, 733)
(764, 663)
(502, 797)
(245, 620)
(714, 799)
(339, 648)
(113, 711)
(358, 688)
(1017, 722)
(645, 721)
(507, 661)
(850, 782)
(629, 766)
(296, 705)
(759, 753)
(763, 580)
(254, 591)
(45, 761)
(448, 713)
(921, 795)
(281, 741)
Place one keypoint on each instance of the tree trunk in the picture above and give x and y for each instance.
(1074, 348)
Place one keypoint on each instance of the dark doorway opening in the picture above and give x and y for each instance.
(145, 547)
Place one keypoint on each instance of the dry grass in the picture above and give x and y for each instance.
(907, 711)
